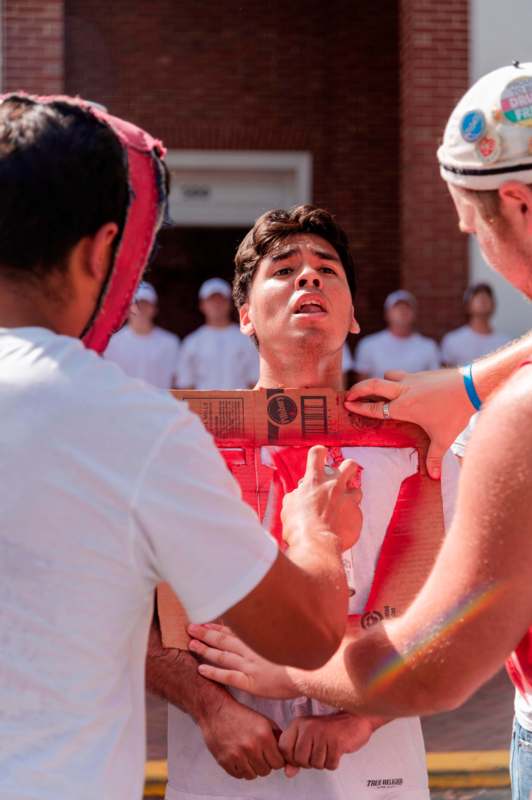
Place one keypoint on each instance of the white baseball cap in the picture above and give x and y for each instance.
(146, 292)
(400, 296)
(488, 138)
(214, 286)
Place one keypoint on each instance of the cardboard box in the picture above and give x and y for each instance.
(245, 421)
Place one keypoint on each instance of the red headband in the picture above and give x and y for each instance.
(147, 201)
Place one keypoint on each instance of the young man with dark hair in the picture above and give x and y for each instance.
(108, 486)
(293, 286)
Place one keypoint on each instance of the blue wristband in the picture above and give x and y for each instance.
(467, 374)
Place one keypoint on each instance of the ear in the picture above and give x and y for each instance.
(246, 323)
(354, 327)
(516, 203)
(99, 251)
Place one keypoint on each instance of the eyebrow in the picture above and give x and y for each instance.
(292, 251)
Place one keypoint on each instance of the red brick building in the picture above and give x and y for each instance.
(342, 103)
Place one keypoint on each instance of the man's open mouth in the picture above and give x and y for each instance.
(310, 306)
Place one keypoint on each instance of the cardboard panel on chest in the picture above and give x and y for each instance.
(246, 425)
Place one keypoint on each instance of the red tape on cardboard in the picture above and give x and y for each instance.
(243, 422)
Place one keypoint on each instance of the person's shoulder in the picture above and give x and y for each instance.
(500, 338)
(509, 413)
(118, 339)
(196, 336)
(166, 336)
(374, 339)
(425, 341)
(456, 333)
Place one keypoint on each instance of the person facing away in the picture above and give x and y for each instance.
(398, 346)
(217, 355)
(477, 338)
(107, 485)
(143, 349)
(294, 287)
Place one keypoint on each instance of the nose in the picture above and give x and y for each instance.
(309, 277)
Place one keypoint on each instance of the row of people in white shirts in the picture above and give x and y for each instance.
(215, 356)
(218, 356)
(399, 347)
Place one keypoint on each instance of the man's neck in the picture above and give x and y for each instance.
(480, 325)
(319, 372)
(22, 306)
(141, 328)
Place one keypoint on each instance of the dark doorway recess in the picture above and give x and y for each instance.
(185, 258)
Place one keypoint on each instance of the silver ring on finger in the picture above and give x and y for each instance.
(386, 411)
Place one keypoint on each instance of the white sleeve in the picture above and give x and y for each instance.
(251, 370)
(362, 361)
(190, 527)
(112, 349)
(347, 359)
(434, 360)
(447, 355)
(186, 377)
(174, 356)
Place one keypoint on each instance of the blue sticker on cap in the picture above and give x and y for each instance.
(472, 126)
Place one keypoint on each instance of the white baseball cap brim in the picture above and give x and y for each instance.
(146, 292)
(214, 286)
(400, 296)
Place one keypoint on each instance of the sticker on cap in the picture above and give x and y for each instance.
(489, 148)
(516, 101)
(473, 126)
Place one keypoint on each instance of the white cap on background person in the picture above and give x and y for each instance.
(146, 292)
(214, 286)
(400, 296)
(488, 138)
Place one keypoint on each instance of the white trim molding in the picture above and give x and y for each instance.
(222, 188)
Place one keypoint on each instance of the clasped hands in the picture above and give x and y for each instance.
(257, 745)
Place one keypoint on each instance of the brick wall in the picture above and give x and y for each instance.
(33, 41)
(313, 76)
(434, 75)
(279, 76)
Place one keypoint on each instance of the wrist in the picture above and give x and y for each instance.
(211, 702)
(313, 535)
(469, 385)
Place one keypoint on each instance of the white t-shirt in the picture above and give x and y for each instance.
(464, 345)
(107, 486)
(154, 357)
(381, 352)
(218, 358)
(347, 358)
(392, 764)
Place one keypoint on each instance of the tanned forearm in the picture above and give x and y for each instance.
(173, 675)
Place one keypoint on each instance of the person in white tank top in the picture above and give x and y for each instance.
(297, 302)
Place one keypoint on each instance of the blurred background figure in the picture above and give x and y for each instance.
(217, 355)
(141, 348)
(348, 370)
(477, 338)
(398, 347)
